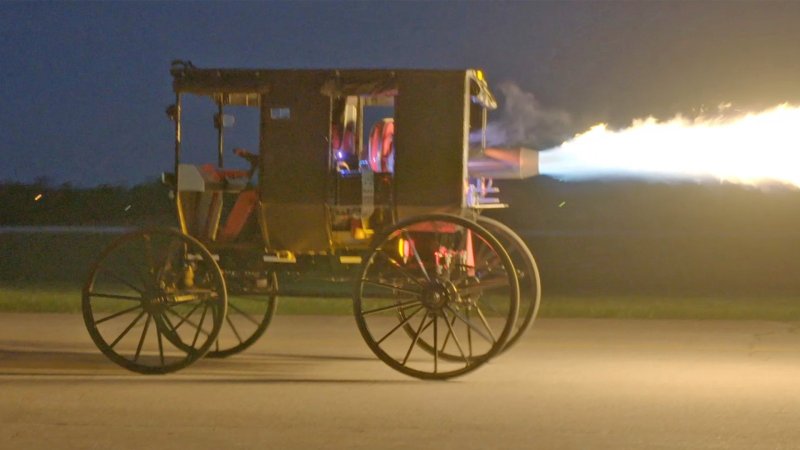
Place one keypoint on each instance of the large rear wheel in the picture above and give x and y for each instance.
(155, 301)
(529, 285)
(436, 285)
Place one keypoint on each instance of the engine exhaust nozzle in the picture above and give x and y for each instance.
(505, 164)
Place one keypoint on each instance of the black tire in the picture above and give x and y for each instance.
(160, 278)
(426, 265)
(530, 285)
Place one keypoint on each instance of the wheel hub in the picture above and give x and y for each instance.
(438, 294)
(155, 302)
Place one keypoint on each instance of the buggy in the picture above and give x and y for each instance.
(367, 184)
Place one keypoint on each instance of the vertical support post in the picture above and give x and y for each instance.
(483, 128)
(178, 139)
(220, 138)
(177, 134)
(465, 122)
(359, 137)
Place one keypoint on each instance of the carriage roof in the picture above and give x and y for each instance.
(243, 86)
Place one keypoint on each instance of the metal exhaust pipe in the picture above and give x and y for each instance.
(505, 164)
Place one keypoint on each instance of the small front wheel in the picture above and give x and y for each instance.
(155, 301)
(436, 285)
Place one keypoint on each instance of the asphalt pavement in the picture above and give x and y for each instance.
(311, 382)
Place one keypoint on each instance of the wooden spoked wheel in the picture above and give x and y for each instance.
(527, 275)
(155, 301)
(450, 282)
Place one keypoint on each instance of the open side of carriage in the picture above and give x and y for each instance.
(365, 183)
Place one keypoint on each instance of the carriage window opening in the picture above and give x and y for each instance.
(344, 128)
(481, 102)
(244, 134)
(199, 136)
(199, 132)
(362, 134)
(477, 127)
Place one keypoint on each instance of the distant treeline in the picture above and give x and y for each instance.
(538, 205)
(588, 238)
(40, 203)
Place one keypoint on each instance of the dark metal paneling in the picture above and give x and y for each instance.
(295, 127)
(430, 139)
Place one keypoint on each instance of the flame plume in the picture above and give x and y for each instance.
(753, 149)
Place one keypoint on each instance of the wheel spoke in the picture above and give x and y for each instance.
(477, 268)
(427, 325)
(490, 307)
(170, 326)
(160, 344)
(450, 332)
(469, 334)
(450, 327)
(141, 339)
(490, 282)
(416, 338)
(114, 296)
(471, 326)
(436, 343)
(391, 286)
(401, 306)
(489, 255)
(247, 316)
(485, 323)
(130, 326)
(416, 254)
(198, 327)
(120, 279)
(183, 318)
(235, 331)
(395, 264)
(493, 259)
(202, 318)
(137, 271)
(407, 319)
(117, 314)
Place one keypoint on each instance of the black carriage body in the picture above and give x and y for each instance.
(306, 202)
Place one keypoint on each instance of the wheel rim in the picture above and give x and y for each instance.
(154, 301)
(449, 284)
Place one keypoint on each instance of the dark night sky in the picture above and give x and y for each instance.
(84, 85)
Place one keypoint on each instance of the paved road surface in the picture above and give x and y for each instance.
(312, 383)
